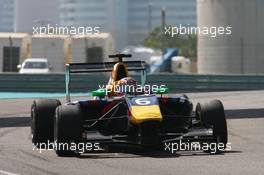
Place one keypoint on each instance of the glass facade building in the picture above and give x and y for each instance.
(7, 15)
(129, 21)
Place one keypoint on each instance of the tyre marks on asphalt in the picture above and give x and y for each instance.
(14, 121)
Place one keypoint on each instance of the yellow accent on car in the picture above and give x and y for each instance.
(141, 114)
(114, 77)
(116, 70)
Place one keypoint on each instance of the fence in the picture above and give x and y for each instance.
(175, 82)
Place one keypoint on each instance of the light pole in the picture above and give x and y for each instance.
(149, 17)
(163, 24)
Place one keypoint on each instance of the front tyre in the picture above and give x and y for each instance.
(212, 115)
(67, 129)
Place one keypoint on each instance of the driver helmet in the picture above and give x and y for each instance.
(126, 85)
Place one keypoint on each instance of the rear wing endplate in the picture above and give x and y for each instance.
(100, 67)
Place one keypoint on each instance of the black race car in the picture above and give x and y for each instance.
(147, 119)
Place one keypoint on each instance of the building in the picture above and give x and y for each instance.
(241, 52)
(31, 13)
(58, 49)
(22, 15)
(129, 21)
(91, 48)
(144, 15)
(94, 13)
(7, 15)
(11, 51)
(50, 47)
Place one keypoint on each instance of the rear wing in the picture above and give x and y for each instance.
(104, 67)
(73, 68)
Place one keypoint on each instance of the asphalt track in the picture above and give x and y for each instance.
(245, 112)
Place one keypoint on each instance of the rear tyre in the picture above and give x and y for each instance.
(212, 115)
(42, 119)
(67, 129)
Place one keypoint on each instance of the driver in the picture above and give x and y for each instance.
(127, 85)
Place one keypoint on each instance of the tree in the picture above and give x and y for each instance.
(187, 44)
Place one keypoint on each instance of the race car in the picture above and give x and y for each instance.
(142, 117)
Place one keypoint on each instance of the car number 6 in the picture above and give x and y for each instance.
(142, 101)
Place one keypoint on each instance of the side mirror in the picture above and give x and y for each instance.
(19, 66)
(99, 93)
(161, 90)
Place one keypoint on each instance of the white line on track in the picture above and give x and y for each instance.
(6, 173)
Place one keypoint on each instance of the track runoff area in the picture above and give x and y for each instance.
(245, 121)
